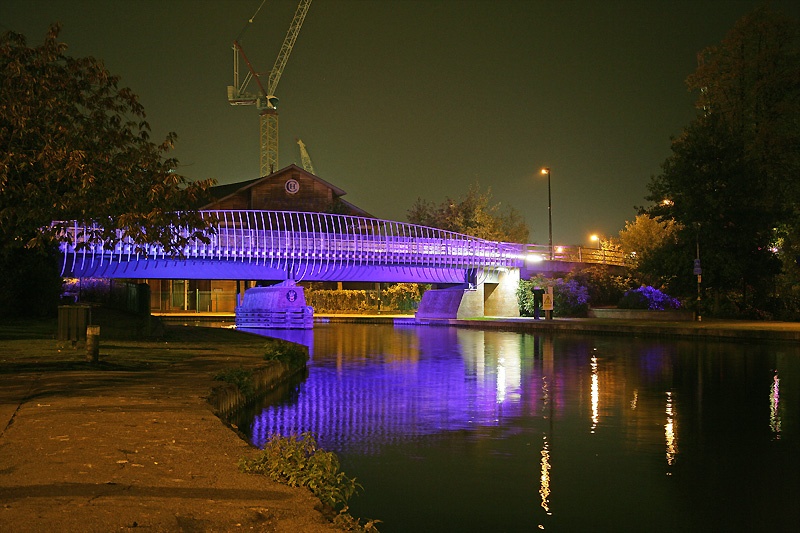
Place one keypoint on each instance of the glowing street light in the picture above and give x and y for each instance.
(596, 238)
(544, 171)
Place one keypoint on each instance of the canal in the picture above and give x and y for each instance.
(452, 429)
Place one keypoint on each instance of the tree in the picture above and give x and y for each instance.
(730, 181)
(644, 234)
(649, 245)
(75, 146)
(474, 215)
(751, 84)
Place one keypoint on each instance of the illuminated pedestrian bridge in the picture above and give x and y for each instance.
(302, 246)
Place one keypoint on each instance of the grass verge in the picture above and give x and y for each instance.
(33, 343)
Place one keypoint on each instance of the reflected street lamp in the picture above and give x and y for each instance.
(546, 170)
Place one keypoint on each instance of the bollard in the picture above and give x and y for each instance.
(92, 343)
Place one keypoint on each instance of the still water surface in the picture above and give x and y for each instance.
(463, 430)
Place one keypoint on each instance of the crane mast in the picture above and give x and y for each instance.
(265, 100)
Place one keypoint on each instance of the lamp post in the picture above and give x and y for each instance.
(546, 170)
(698, 271)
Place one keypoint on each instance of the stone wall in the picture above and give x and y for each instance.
(226, 398)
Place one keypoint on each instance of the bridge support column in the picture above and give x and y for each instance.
(500, 299)
(496, 297)
(281, 306)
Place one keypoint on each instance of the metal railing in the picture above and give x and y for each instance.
(576, 254)
(305, 244)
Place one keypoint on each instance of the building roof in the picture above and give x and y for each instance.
(220, 193)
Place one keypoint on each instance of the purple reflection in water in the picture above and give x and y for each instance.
(461, 430)
(353, 404)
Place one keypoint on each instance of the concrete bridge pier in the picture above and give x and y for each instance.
(280, 306)
(494, 293)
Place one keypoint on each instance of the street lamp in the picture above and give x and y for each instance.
(546, 170)
(596, 238)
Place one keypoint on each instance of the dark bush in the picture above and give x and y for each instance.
(605, 288)
(570, 299)
(647, 297)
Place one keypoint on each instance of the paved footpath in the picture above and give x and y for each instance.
(88, 450)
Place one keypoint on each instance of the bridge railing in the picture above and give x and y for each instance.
(315, 236)
(291, 241)
(575, 254)
(283, 239)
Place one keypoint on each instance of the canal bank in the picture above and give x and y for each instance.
(732, 330)
(131, 442)
(727, 330)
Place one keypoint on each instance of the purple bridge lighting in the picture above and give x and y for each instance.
(302, 246)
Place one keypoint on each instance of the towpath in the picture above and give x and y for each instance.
(131, 444)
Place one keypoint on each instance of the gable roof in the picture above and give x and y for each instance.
(221, 192)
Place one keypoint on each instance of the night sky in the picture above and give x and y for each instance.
(400, 99)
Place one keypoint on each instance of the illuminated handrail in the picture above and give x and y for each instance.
(577, 254)
(303, 243)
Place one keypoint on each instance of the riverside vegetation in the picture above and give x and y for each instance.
(298, 461)
(292, 356)
(295, 460)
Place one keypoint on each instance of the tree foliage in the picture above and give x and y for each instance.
(640, 237)
(649, 245)
(474, 214)
(74, 145)
(731, 178)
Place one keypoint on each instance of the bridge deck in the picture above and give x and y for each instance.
(308, 246)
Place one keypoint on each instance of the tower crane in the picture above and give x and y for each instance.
(265, 100)
(304, 157)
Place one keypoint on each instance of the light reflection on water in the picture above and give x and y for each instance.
(774, 407)
(464, 430)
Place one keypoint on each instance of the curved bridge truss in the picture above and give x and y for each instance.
(278, 245)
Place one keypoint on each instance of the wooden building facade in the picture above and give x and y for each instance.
(289, 189)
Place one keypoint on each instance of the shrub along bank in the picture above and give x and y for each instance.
(293, 460)
(574, 294)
